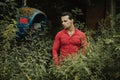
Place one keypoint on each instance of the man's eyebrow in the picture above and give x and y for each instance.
(64, 20)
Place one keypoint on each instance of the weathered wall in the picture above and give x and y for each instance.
(95, 12)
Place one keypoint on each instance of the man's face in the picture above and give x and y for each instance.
(66, 22)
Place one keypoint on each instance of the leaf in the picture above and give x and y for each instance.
(88, 71)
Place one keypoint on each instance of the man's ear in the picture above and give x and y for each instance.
(72, 20)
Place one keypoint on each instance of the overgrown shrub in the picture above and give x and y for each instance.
(101, 61)
(32, 60)
(84, 67)
(26, 60)
(8, 9)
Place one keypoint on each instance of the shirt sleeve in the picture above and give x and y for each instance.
(55, 49)
(84, 43)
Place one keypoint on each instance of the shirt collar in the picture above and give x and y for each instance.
(64, 30)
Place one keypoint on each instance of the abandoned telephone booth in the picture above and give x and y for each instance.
(31, 22)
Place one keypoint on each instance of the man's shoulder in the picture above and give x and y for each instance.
(61, 32)
(79, 31)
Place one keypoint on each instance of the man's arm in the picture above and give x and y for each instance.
(84, 43)
(55, 49)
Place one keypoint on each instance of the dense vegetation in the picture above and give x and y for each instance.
(32, 60)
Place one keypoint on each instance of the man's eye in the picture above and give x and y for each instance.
(64, 21)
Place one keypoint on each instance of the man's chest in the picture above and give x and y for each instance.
(66, 39)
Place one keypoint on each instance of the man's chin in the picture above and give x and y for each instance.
(65, 28)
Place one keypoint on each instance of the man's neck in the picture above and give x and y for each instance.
(71, 30)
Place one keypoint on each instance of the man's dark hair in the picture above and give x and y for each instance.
(67, 14)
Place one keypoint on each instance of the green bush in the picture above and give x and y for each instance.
(84, 67)
(101, 61)
(32, 60)
(23, 60)
(26, 61)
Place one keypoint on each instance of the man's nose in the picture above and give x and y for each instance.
(63, 23)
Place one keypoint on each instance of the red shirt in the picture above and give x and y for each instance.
(67, 44)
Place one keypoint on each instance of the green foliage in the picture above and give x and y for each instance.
(84, 67)
(80, 25)
(7, 33)
(8, 9)
(26, 60)
(101, 61)
(77, 11)
(31, 59)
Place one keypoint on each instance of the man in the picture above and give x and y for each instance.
(69, 40)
